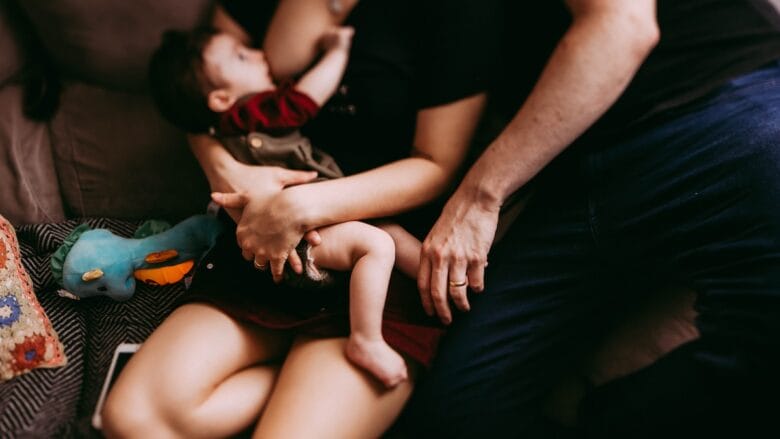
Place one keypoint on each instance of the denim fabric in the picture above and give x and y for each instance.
(692, 201)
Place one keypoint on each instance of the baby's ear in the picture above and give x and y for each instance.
(220, 100)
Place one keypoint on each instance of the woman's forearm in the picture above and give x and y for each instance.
(380, 192)
(441, 140)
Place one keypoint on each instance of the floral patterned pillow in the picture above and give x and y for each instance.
(27, 339)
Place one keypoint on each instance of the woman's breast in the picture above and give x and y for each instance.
(368, 122)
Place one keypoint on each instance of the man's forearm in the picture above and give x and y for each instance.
(587, 72)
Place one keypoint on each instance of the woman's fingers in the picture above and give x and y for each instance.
(295, 262)
(289, 177)
(277, 267)
(313, 238)
(232, 200)
(260, 265)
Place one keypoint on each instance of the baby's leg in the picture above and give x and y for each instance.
(407, 248)
(369, 253)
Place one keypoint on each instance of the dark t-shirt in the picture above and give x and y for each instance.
(703, 44)
(406, 55)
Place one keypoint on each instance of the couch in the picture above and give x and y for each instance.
(80, 139)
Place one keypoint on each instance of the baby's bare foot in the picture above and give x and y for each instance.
(378, 358)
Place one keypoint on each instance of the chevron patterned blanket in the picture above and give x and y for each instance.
(59, 402)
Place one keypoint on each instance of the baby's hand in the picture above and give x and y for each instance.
(338, 38)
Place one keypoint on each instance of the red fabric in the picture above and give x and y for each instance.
(276, 112)
(225, 280)
(405, 326)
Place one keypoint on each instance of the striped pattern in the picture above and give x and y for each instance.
(59, 402)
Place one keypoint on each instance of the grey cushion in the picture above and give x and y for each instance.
(116, 157)
(109, 42)
(29, 191)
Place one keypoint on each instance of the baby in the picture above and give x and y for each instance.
(210, 81)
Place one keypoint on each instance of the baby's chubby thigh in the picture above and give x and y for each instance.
(344, 244)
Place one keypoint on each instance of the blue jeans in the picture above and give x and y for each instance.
(693, 201)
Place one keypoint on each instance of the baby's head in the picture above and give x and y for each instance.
(196, 75)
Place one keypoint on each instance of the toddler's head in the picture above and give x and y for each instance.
(196, 75)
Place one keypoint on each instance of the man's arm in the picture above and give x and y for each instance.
(321, 81)
(590, 67)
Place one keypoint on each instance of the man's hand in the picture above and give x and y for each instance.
(454, 254)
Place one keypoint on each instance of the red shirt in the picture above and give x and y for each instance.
(275, 112)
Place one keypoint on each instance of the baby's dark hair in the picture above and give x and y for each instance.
(178, 84)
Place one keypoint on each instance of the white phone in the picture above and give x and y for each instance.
(122, 355)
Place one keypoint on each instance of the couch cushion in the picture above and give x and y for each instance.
(10, 45)
(43, 403)
(109, 42)
(116, 157)
(28, 182)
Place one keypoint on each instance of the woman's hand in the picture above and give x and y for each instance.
(454, 254)
(270, 228)
(256, 183)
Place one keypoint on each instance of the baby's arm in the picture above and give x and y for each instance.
(321, 81)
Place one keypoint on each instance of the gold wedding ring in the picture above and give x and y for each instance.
(458, 284)
(259, 266)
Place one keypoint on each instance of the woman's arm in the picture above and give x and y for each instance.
(225, 174)
(260, 183)
(271, 230)
(292, 41)
(588, 70)
(223, 22)
(441, 141)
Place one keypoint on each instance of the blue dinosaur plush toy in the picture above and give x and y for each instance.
(98, 262)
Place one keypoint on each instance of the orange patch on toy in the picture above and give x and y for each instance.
(163, 256)
(3, 256)
(164, 275)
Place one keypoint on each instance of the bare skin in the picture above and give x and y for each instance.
(338, 401)
(582, 79)
(370, 253)
(200, 374)
(315, 391)
(219, 376)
